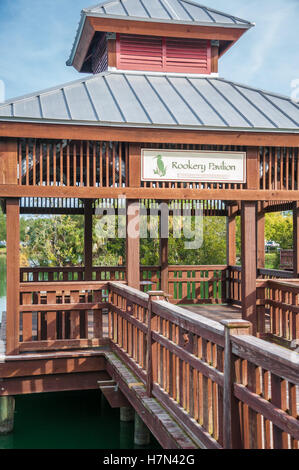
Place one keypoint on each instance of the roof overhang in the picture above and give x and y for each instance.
(226, 34)
(17, 128)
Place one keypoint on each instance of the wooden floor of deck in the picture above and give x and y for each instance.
(216, 312)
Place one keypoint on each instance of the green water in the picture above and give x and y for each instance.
(68, 420)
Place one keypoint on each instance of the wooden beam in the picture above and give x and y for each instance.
(88, 212)
(13, 275)
(8, 162)
(84, 44)
(170, 194)
(150, 135)
(133, 244)
(51, 363)
(169, 29)
(249, 270)
(296, 238)
(52, 383)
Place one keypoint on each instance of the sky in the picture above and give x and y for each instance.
(36, 38)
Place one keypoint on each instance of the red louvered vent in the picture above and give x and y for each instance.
(139, 52)
(163, 54)
(188, 55)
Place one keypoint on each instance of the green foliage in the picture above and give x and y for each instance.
(54, 241)
(212, 251)
(279, 228)
(272, 260)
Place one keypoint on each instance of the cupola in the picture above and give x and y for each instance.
(176, 36)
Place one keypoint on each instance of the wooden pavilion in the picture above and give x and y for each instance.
(155, 91)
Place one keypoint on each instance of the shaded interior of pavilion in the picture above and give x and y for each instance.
(215, 291)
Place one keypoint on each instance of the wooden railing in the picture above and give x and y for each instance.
(187, 284)
(274, 274)
(61, 316)
(197, 284)
(234, 285)
(230, 391)
(278, 304)
(70, 274)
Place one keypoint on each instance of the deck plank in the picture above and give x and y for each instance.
(216, 312)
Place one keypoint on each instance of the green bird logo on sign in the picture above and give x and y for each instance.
(161, 169)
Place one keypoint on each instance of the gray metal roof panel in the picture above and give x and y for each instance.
(6, 110)
(27, 108)
(275, 117)
(53, 105)
(245, 107)
(103, 100)
(173, 10)
(149, 99)
(206, 113)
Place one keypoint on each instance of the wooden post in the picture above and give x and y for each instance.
(133, 244)
(164, 234)
(126, 414)
(141, 433)
(231, 418)
(248, 242)
(7, 411)
(231, 236)
(88, 212)
(214, 56)
(296, 238)
(8, 162)
(13, 275)
(260, 228)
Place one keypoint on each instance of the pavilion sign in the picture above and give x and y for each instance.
(184, 165)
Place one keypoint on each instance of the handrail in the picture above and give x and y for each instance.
(191, 379)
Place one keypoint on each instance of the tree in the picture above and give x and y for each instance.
(55, 241)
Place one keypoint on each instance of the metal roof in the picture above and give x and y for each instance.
(164, 10)
(138, 99)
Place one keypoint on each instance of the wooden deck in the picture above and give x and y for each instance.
(216, 312)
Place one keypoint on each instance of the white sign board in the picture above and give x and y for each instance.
(185, 165)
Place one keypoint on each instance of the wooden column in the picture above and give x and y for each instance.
(260, 229)
(248, 242)
(133, 219)
(8, 162)
(164, 234)
(248, 237)
(88, 212)
(231, 236)
(13, 275)
(296, 238)
(214, 56)
(133, 244)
